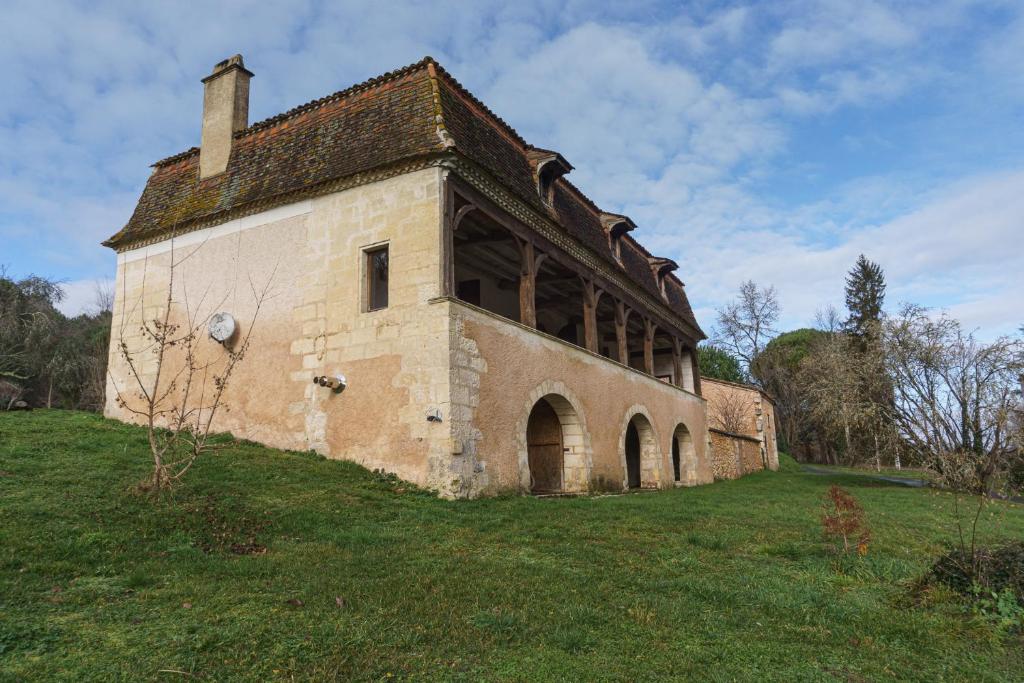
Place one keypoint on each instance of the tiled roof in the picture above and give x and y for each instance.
(414, 113)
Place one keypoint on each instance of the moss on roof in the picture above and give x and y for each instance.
(414, 113)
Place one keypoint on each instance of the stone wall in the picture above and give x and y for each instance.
(733, 456)
(314, 322)
(744, 410)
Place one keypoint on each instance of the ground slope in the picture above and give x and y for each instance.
(282, 565)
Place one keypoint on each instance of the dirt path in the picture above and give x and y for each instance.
(911, 482)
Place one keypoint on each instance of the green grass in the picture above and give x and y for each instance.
(242, 576)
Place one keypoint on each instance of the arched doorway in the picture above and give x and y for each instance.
(554, 447)
(684, 456)
(675, 460)
(632, 457)
(544, 446)
(641, 454)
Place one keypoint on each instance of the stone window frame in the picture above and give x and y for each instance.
(366, 254)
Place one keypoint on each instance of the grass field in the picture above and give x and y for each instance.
(275, 565)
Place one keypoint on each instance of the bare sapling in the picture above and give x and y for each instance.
(173, 384)
(843, 519)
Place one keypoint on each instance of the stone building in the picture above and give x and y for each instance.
(492, 327)
(741, 429)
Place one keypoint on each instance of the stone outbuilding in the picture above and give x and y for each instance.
(741, 428)
(482, 326)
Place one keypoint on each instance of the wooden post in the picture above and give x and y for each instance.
(529, 262)
(677, 363)
(447, 274)
(695, 370)
(649, 328)
(451, 226)
(621, 316)
(591, 295)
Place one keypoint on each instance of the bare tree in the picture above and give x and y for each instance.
(103, 295)
(827, 319)
(731, 411)
(955, 405)
(952, 391)
(830, 384)
(777, 372)
(746, 324)
(173, 386)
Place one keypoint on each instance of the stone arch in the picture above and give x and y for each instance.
(684, 456)
(638, 450)
(577, 456)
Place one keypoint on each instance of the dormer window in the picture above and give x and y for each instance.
(548, 167)
(661, 267)
(615, 227)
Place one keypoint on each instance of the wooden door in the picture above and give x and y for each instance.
(544, 448)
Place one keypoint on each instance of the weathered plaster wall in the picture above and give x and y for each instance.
(396, 360)
(500, 369)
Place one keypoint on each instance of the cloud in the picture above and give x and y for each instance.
(652, 129)
(955, 251)
(831, 31)
(83, 296)
(766, 140)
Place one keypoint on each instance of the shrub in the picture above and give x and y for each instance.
(1003, 610)
(998, 570)
(843, 518)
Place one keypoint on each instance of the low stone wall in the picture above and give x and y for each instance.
(734, 455)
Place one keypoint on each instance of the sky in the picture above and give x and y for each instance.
(765, 141)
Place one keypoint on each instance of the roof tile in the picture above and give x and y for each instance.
(385, 121)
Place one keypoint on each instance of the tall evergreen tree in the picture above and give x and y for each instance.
(873, 396)
(865, 294)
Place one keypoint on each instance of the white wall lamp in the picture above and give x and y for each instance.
(222, 328)
(337, 383)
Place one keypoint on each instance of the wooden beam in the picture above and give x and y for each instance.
(484, 241)
(497, 266)
(540, 282)
(622, 291)
(650, 327)
(460, 214)
(591, 297)
(622, 312)
(447, 245)
(528, 263)
(695, 368)
(677, 362)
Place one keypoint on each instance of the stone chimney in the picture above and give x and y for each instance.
(225, 110)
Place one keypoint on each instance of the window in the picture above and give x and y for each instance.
(548, 166)
(377, 279)
(616, 227)
(615, 242)
(546, 182)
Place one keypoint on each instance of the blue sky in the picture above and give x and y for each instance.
(772, 141)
